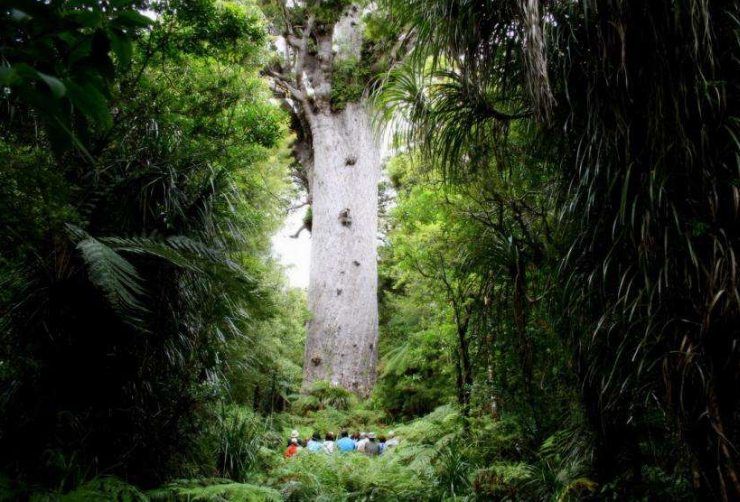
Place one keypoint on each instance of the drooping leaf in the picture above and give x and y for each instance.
(90, 101)
(121, 45)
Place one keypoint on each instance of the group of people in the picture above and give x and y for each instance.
(363, 442)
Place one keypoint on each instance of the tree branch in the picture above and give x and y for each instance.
(303, 50)
(286, 17)
(288, 85)
(292, 40)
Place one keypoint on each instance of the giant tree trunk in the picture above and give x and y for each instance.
(341, 167)
(342, 338)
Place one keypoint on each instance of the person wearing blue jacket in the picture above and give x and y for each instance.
(315, 443)
(346, 444)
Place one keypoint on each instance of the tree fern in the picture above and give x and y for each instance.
(118, 278)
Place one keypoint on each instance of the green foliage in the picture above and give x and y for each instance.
(559, 258)
(322, 395)
(236, 30)
(101, 489)
(330, 11)
(264, 368)
(332, 395)
(305, 403)
(104, 490)
(239, 437)
(588, 239)
(349, 79)
(384, 44)
(308, 219)
(212, 490)
(196, 490)
(339, 477)
(62, 60)
(502, 482)
(134, 272)
(364, 418)
(407, 472)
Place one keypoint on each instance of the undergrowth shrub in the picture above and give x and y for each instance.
(440, 423)
(101, 489)
(328, 419)
(213, 490)
(301, 405)
(501, 482)
(441, 456)
(360, 417)
(310, 477)
(452, 468)
(323, 395)
(239, 436)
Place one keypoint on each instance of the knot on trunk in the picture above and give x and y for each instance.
(316, 359)
(350, 161)
(344, 218)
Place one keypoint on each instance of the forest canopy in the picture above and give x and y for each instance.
(550, 191)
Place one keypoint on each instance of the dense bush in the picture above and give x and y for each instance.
(134, 255)
(558, 295)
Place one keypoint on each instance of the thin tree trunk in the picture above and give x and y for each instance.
(520, 321)
(465, 382)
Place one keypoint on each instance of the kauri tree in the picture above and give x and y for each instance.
(322, 74)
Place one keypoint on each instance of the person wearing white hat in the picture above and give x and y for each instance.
(329, 443)
(362, 442)
(294, 435)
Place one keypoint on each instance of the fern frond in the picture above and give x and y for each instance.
(213, 490)
(181, 251)
(113, 274)
(398, 360)
(106, 489)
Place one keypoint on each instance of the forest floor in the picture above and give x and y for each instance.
(405, 472)
(430, 463)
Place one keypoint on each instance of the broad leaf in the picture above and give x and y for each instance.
(90, 101)
(121, 46)
(134, 19)
(57, 86)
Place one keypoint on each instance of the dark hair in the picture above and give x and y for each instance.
(316, 435)
(382, 439)
(329, 436)
(344, 433)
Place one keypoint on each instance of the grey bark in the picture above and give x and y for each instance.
(341, 159)
(342, 338)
